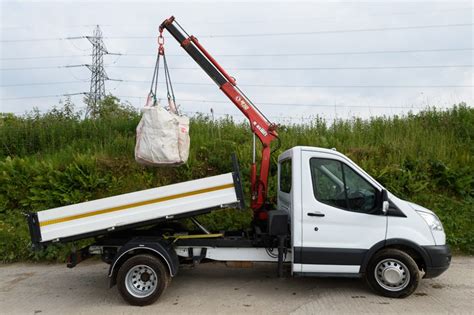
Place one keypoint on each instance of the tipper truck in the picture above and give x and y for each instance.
(331, 219)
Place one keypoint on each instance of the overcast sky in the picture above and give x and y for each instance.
(428, 45)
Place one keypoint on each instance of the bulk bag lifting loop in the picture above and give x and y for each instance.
(162, 134)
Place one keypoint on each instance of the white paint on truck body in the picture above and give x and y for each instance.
(136, 207)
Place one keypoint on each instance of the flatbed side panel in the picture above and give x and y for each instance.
(131, 208)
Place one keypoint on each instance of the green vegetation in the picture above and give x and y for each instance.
(58, 158)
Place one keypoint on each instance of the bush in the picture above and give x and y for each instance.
(60, 158)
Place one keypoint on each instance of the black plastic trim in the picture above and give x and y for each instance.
(197, 259)
(327, 274)
(78, 256)
(329, 256)
(394, 211)
(238, 181)
(35, 232)
(375, 248)
(315, 214)
(440, 257)
(155, 245)
(395, 241)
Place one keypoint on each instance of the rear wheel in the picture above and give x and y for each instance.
(393, 273)
(142, 279)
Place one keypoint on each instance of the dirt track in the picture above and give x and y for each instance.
(216, 289)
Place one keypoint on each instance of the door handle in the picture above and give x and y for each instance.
(316, 214)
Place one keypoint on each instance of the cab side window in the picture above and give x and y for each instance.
(360, 194)
(328, 182)
(336, 184)
(285, 176)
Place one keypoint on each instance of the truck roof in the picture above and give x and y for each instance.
(291, 151)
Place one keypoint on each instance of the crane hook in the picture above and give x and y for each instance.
(161, 42)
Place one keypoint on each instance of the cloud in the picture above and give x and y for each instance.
(128, 20)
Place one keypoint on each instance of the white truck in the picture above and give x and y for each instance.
(331, 219)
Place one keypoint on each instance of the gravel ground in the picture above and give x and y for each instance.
(215, 288)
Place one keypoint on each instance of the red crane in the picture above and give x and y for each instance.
(260, 125)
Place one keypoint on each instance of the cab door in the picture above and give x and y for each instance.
(339, 214)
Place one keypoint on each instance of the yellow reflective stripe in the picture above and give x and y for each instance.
(134, 205)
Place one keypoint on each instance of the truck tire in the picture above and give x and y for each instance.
(142, 279)
(393, 273)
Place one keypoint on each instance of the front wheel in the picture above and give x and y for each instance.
(142, 279)
(393, 273)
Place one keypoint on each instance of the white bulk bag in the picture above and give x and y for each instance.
(184, 140)
(162, 137)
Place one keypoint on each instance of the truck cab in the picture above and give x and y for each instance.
(344, 223)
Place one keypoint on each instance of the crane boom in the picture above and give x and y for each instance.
(259, 124)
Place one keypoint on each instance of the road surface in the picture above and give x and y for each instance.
(215, 288)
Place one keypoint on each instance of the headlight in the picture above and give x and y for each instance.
(432, 220)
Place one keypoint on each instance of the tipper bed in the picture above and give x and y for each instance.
(134, 209)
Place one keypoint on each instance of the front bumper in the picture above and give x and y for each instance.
(439, 258)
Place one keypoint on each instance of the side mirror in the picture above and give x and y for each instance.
(385, 203)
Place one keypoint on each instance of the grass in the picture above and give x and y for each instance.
(58, 158)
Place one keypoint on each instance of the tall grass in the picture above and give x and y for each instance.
(59, 158)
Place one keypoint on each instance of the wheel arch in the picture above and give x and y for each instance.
(164, 252)
(415, 251)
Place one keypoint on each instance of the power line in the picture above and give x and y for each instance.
(252, 85)
(32, 68)
(243, 117)
(310, 68)
(300, 105)
(215, 101)
(41, 96)
(234, 115)
(315, 86)
(276, 104)
(44, 83)
(49, 25)
(46, 39)
(265, 55)
(240, 21)
(318, 53)
(379, 29)
(303, 117)
(43, 57)
(31, 40)
(255, 68)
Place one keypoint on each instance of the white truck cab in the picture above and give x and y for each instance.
(339, 225)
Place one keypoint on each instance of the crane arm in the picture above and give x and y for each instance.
(259, 124)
